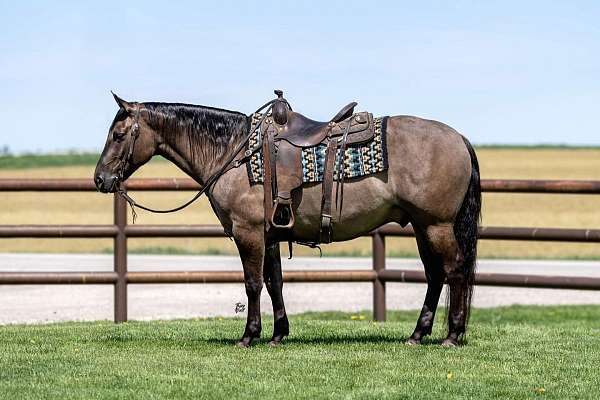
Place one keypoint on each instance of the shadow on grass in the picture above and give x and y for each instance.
(329, 340)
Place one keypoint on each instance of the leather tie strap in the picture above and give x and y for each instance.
(328, 173)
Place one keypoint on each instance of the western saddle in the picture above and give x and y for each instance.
(285, 134)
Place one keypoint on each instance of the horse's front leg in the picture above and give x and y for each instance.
(274, 282)
(250, 244)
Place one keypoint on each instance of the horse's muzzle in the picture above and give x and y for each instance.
(106, 183)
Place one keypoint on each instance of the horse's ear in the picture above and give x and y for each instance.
(125, 105)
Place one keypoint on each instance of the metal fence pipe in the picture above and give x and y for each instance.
(56, 278)
(102, 231)
(402, 275)
(540, 186)
(47, 185)
(139, 277)
(58, 231)
(511, 233)
(388, 275)
(378, 256)
(120, 259)
(540, 234)
(330, 276)
(162, 184)
(509, 280)
(538, 281)
(175, 231)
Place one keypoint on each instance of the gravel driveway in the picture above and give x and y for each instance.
(31, 303)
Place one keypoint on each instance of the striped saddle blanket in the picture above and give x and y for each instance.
(359, 160)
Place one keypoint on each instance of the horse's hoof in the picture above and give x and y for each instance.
(244, 344)
(276, 340)
(413, 342)
(450, 343)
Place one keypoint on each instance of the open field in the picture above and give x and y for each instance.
(47, 160)
(569, 211)
(512, 353)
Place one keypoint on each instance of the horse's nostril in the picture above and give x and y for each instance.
(99, 180)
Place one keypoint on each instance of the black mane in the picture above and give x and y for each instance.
(215, 124)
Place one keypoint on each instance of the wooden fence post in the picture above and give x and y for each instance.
(379, 308)
(120, 259)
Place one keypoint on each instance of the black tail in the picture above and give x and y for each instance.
(466, 225)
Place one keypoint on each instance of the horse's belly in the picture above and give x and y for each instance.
(367, 204)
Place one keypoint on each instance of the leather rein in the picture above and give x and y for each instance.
(229, 164)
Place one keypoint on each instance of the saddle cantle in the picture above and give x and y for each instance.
(304, 132)
(285, 134)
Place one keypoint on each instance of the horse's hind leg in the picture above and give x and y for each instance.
(250, 243)
(434, 272)
(443, 242)
(274, 282)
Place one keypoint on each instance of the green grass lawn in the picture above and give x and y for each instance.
(515, 352)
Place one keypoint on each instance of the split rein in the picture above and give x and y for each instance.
(229, 164)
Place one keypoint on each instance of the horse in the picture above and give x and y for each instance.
(432, 182)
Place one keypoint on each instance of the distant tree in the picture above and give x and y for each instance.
(5, 150)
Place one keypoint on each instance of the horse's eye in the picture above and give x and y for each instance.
(118, 136)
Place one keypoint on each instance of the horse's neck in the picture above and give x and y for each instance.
(179, 158)
(195, 155)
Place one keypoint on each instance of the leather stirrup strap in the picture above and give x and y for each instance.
(325, 231)
(267, 178)
(341, 163)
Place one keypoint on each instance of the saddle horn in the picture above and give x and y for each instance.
(280, 109)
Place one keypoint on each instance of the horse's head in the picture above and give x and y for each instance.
(130, 144)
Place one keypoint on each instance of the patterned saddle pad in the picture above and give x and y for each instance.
(359, 160)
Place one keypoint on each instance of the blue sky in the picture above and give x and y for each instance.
(499, 72)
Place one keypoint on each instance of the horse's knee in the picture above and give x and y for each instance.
(253, 287)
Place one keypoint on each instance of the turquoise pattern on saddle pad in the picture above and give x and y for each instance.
(359, 160)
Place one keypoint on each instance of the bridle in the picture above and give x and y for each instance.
(134, 132)
(230, 162)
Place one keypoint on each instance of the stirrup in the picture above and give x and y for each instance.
(283, 204)
(325, 232)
